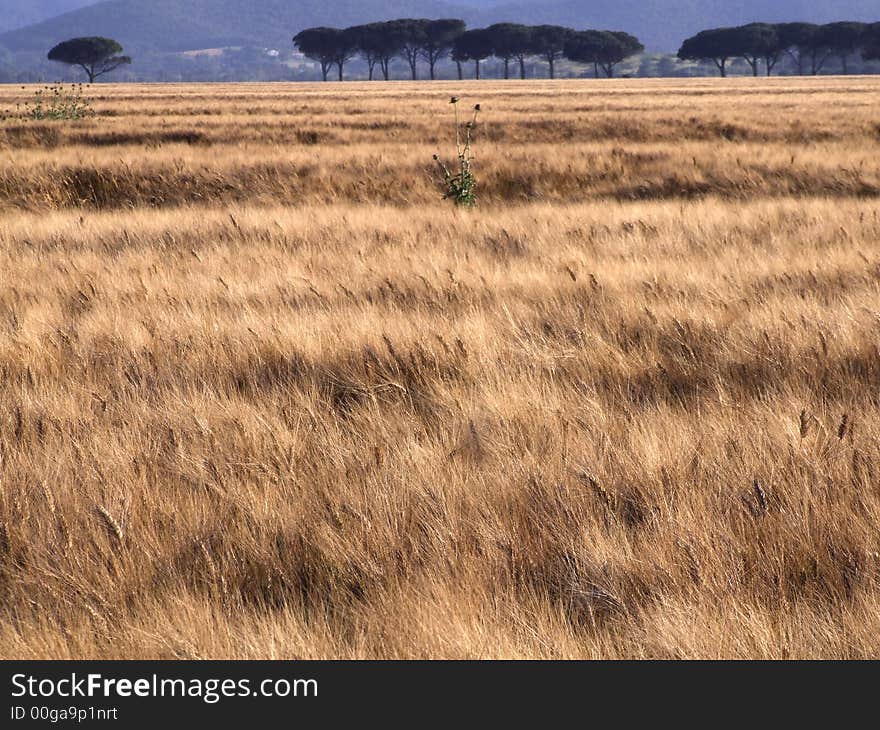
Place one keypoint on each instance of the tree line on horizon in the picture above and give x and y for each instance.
(431, 41)
(809, 46)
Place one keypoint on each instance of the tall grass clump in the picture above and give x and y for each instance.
(461, 185)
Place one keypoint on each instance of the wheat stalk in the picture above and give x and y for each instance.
(111, 524)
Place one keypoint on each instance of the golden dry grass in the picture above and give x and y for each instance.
(263, 394)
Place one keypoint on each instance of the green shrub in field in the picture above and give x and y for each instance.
(53, 103)
(461, 185)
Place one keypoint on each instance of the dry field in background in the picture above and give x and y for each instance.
(263, 394)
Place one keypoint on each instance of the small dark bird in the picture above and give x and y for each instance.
(453, 100)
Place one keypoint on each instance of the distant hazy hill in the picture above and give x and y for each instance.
(173, 25)
(19, 13)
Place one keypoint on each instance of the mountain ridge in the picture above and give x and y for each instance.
(173, 25)
(18, 14)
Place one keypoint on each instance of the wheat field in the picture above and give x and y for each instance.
(264, 394)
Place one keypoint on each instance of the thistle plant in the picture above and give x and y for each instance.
(461, 185)
(53, 103)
